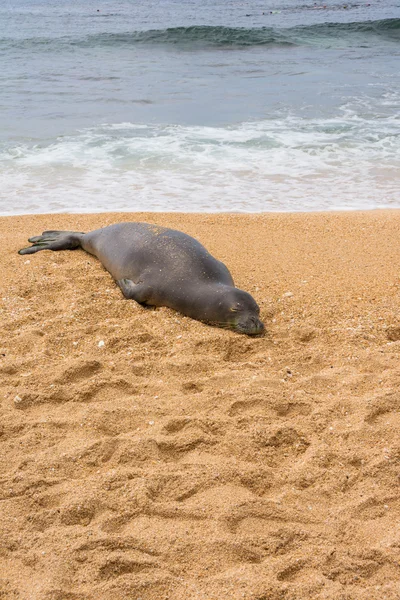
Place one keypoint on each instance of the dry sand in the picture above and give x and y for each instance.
(186, 462)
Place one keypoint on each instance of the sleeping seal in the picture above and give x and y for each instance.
(157, 266)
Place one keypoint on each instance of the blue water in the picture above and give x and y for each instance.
(199, 106)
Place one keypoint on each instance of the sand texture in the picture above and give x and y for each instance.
(147, 456)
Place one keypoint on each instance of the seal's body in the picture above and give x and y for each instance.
(157, 266)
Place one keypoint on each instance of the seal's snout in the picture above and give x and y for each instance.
(252, 326)
(257, 326)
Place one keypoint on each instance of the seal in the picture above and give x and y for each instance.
(157, 266)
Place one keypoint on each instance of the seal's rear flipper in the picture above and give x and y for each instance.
(53, 240)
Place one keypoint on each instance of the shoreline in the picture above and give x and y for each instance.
(207, 213)
(183, 461)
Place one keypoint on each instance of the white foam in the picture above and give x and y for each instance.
(286, 165)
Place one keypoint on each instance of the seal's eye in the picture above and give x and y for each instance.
(235, 308)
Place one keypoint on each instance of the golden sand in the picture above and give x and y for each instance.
(147, 456)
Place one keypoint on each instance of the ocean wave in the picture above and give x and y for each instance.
(284, 164)
(322, 34)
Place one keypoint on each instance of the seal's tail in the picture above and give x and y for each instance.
(53, 240)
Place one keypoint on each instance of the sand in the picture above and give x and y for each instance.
(147, 456)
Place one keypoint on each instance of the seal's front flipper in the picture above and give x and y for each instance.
(53, 240)
(135, 291)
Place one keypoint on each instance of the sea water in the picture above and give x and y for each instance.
(199, 105)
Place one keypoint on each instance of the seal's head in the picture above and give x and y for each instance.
(239, 311)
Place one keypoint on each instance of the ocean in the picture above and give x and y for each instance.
(212, 105)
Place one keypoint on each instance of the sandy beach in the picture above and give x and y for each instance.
(148, 456)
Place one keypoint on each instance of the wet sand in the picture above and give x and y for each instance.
(146, 455)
